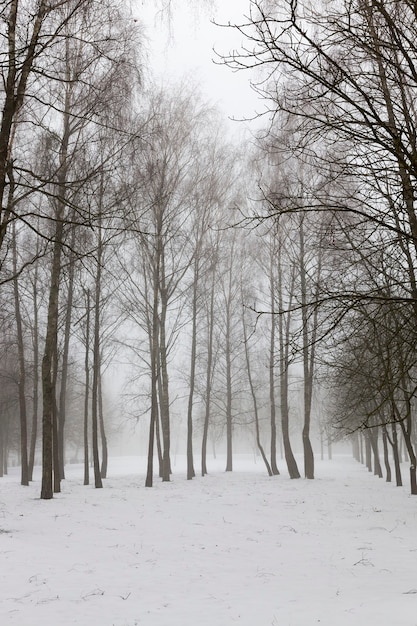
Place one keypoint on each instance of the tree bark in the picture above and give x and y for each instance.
(65, 357)
(395, 451)
(254, 399)
(48, 389)
(228, 357)
(34, 432)
(193, 358)
(386, 456)
(284, 336)
(274, 466)
(103, 437)
(98, 483)
(87, 389)
(24, 477)
(209, 375)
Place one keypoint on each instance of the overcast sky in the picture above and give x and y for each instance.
(186, 45)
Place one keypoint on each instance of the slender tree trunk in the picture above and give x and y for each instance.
(209, 376)
(103, 437)
(154, 354)
(87, 390)
(309, 349)
(51, 341)
(272, 404)
(396, 455)
(96, 364)
(48, 389)
(407, 430)
(55, 447)
(368, 451)
(228, 356)
(35, 408)
(24, 478)
(164, 404)
(284, 336)
(190, 457)
(254, 399)
(65, 358)
(374, 444)
(386, 456)
(407, 440)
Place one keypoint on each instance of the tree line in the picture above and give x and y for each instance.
(273, 285)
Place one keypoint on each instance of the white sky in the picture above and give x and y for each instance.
(186, 45)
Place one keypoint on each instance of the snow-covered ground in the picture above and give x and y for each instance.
(232, 548)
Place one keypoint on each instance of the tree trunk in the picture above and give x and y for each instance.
(274, 466)
(407, 440)
(395, 452)
(209, 376)
(190, 458)
(87, 389)
(373, 434)
(103, 437)
(254, 399)
(386, 456)
(309, 350)
(55, 447)
(35, 408)
(24, 478)
(284, 336)
(229, 418)
(153, 331)
(164, 402)
(368, 451)
(48, 389)
(96, 364)
(51, 341)
(65, 357)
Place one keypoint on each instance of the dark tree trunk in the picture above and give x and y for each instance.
(24, 478)
(35, 408)
(386, 456)
(395, 452)
(254, 399)
(87, 389)
(284, 336)
(273, 419)
(407, 440)
(48, 388)
(98, 483)
(55, 446)
(209, 376)
(373, 436)
(309, 349)
(103, 437)
(190, 456)
(229, 420)
(368, 451)
(153, 331)
(65, 357)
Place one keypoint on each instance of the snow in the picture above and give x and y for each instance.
(230, 548)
